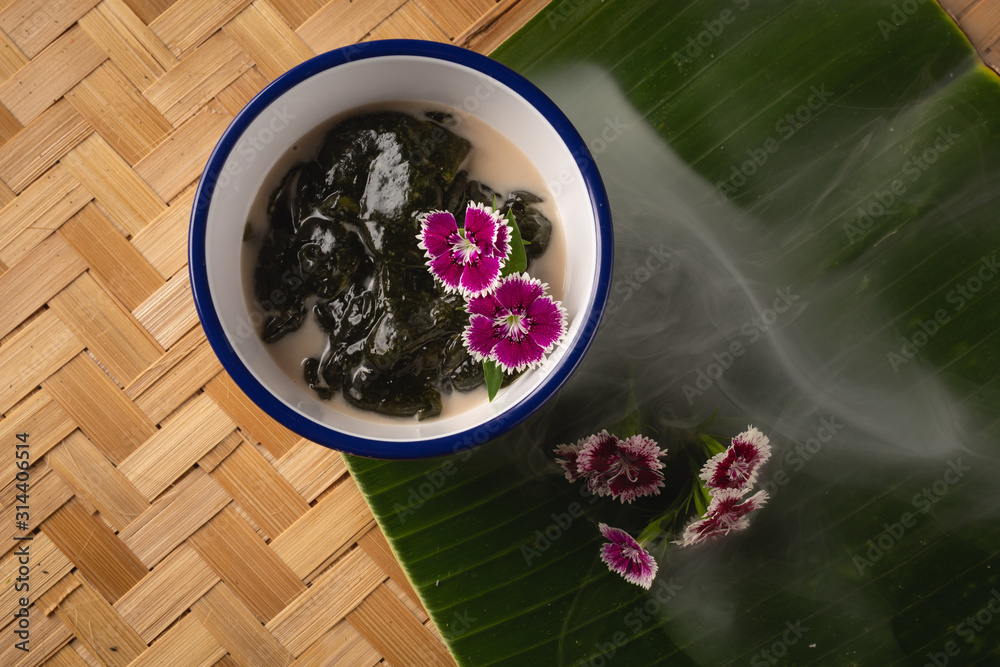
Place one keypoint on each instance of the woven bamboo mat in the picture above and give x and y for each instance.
(171, 522)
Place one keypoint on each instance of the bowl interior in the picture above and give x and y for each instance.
(312, 102)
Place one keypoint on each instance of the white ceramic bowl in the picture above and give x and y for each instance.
(307, 97)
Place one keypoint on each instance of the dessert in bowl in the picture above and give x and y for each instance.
(520, 143)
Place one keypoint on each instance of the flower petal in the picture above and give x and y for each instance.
(646, 483)
(486, 304)
(548, 322)
(726, 513)
(481, 225)
(517, 355)
(502, 244)
(644, 449)
(700, 530)
(599, 453)
(570, 452)
(730, 506)
(438, 230)
(480, 276)
(519, 341)
(738, 465)
(447, 270)
(626, 557)
(617, 535)
(624, 469)
(518, 290)
(754, 437)
(480, 337)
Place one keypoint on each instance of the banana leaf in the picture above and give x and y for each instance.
(805, 198)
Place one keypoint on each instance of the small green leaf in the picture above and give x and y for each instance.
(700, 499)
(658, 526)
(711, 445)
(494, 377)
(518, 260)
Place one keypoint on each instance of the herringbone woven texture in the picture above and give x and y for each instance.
(172, 522)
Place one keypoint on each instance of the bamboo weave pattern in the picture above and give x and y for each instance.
(172, 522)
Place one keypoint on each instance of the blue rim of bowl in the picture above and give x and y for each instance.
(325, 435)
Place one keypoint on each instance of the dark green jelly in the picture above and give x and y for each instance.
(342, 241)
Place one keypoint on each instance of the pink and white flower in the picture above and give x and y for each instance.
(726, 513)
(626, 557)
(467, 260)
(737, 467)
(569, 455)
(515, 325)
(624, 469)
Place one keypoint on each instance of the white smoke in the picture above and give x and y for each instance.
(710, 308)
